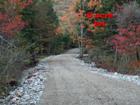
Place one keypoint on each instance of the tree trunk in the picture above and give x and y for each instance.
(33, 58)
(137, 54)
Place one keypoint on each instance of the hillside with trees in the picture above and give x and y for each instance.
(33, 29)
(29, 30)
(116, 45)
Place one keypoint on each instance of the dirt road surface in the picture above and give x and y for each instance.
(71, 83)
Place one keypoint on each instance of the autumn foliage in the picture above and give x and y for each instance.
(10, 18)
(112, 28)
(128, 40)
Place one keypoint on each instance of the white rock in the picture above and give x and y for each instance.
(27, 97)
(15, 100)
(115, 73)
(31, 87)
(19, 94)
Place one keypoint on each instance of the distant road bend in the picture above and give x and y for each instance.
(70, 83)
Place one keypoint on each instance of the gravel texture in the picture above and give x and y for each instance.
(71, 82)
(66, 80)
(31, 87)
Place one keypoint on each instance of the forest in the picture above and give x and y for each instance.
(33, 29)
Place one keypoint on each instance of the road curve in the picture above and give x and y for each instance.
(71, 83)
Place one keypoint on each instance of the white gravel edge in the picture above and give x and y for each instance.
(31, 88)
(131, 78)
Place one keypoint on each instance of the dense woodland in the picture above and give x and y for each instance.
(28, 32)
(31, 30)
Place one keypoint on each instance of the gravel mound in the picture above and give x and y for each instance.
(131, 78)
(31, 88)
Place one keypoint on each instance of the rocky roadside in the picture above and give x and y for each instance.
(104, 72)
(31, 87)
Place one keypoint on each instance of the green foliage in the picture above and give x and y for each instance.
(102, 36)
(36, 39)
(61, 43)
(29, 33)
(138, 1)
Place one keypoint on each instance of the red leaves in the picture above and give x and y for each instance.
(22, 4)
(99, 24)
(127, 40)
(93, 16)
(138, 28)
(11, 21)
(103, 16)
(14, 25)
(89, 15)
(2, 17)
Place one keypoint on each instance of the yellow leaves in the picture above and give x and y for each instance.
(93, 3)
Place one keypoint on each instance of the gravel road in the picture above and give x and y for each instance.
(71, 83)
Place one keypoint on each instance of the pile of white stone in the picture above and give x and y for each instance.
(31, 88)
(131, 78)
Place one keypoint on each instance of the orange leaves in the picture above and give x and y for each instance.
(70, 18)
(10, 20)
(58, 30)
(63, 18)
(14, 25)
